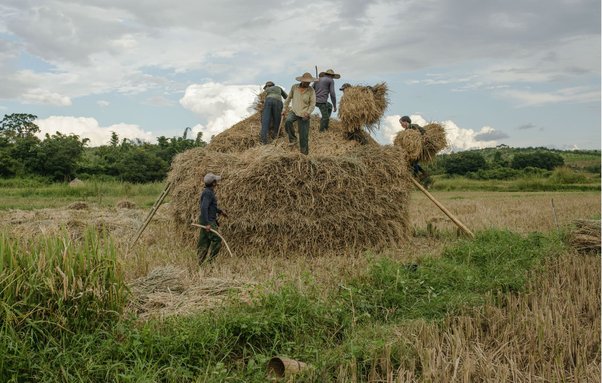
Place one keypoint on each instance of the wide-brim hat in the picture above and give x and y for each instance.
(306, 78)
(330, 72)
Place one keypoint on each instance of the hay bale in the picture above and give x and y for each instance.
(363, 107)
(282, 202)
(125, 204)
(410, 141)
(421, 147)
(76, 182)
(433, 141)
(78, 206)
(585, 236)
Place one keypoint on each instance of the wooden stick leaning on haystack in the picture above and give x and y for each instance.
(216, 233)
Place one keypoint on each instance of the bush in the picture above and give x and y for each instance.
(565, 175)
(540, 159)
(494, 174)
(464, 162)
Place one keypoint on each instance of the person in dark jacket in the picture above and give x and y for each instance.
(209, 242)
(272, 108)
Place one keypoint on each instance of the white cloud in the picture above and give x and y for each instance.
(531, 98)
(221, 105)
(458, 139)
(87, 127)
(43, 96)
(103, 103)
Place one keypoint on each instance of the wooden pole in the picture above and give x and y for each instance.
(554, 211)
(216, 233)
(150, 215)
(279, 128)
(443, 209)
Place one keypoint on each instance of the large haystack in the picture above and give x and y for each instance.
(282, 202)
(348, 195)
(422, 147)
(363, 107)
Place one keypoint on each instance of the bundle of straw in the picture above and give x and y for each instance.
(422, 147)
(585, 237)
(363, 107)
(410, 141)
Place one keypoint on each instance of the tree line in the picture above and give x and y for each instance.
(504, 162)
(62, 157)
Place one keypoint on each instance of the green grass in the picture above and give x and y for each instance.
(233, 343)
(34, 194)
(558, 181)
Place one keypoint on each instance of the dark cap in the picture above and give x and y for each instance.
(268, 84)
(345, 86)
(406, 119)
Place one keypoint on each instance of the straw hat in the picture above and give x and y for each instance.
(306, 78)
(330, 72)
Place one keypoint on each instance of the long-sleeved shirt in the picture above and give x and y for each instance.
(209, 209)
(323, 88)
(302, 102)
(275, 92)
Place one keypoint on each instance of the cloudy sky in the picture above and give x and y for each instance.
(515, 72)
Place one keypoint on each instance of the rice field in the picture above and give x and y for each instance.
(531, 315)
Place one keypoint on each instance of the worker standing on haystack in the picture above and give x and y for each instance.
(303, 100)
(324, 87)
(417, 170)
(208, 218)
(272, 109)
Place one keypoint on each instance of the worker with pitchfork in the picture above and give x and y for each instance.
(208, 218)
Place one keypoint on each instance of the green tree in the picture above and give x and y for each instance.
(464, 162)
(19, 143)
(58, 156)
(18, 125)
(539, 159)
(141, 165)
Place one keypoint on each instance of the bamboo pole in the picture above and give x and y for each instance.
(150, 215)
(216, 233)
(443, 209)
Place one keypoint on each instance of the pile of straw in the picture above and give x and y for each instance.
(168, 291)
(585, 237)
(281, 202)
(422, 147)
(363, 107)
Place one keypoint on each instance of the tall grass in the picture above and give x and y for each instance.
(51, 286)
(339, 333)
